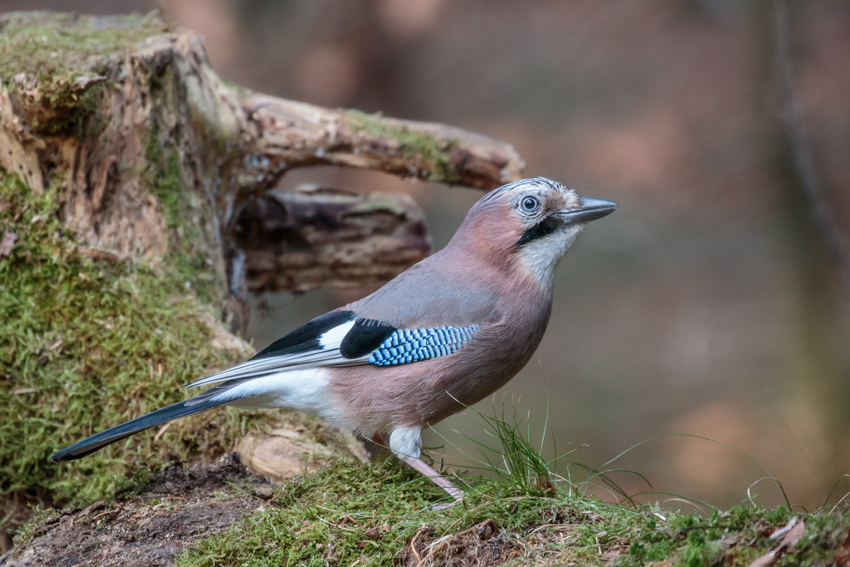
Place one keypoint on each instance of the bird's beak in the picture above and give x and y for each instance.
(591, 209)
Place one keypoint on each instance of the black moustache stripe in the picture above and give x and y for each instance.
(543, 228)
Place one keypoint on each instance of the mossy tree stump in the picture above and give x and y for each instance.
(136, 209)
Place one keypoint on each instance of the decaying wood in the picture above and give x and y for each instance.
(314, 237)
(145, 109)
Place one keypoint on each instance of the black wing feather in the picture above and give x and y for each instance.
(364, 337)
(306, 337)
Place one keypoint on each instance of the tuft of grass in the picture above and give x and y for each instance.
(86, 344)
(516, 460)
(523, 464)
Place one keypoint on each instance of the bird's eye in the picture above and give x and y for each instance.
(530, 204)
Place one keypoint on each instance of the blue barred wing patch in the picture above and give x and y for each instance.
(411, 345)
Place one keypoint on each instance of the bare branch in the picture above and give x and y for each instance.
(295, 134)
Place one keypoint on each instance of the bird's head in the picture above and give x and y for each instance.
(531, 221)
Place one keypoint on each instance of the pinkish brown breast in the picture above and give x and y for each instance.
(377, 399)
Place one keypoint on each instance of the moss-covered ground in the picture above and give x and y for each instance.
(382, 514)
(87, 343)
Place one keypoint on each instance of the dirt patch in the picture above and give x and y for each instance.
(151, 526)
(481, 545)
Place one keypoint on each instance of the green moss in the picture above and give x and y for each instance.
(36, 525)
(65, 110)
(736, 537)
(418, 149)
(42, 36)
(55, 62)
(86, 344)
(164, 178)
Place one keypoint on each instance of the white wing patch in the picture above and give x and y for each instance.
(333, 337)
(327, 354)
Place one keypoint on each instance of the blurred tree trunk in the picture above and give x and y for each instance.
(813, 242)
(142, 157)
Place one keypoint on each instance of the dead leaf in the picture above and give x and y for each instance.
(766, 560)
(8, 242)
(82, 83)
(162, 430)
(98, 254)
(790, 535)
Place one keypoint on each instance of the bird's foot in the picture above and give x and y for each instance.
(443, 505)
(437, 479)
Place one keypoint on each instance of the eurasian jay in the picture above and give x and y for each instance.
(442, 335)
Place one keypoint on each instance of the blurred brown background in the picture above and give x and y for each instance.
(707, 304)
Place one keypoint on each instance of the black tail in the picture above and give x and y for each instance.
(174, 411)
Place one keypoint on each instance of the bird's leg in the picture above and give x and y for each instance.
(406, 443)
(435, 477)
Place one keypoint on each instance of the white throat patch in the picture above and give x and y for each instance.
(541, 256)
